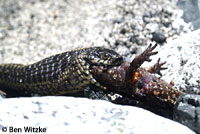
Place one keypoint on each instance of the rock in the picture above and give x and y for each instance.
(182, 56)
(187, 111)
(158, 37)
(191, 11)
(2, 95)
(80, 115)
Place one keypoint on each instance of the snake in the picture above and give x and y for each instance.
(64, 73)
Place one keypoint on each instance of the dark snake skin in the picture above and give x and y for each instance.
(64, 73)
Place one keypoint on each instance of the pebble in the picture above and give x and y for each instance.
(158, 37)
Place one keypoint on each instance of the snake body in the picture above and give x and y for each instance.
(64, 73)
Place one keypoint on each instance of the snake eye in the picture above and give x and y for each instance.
(105, 56)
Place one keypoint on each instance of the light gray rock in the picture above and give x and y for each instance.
(187, 111)
(191, 11)
(182, 56)
(80, 115)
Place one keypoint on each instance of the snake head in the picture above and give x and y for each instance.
(102, 57)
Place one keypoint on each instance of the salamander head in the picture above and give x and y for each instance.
(150, 85)
(102, 56)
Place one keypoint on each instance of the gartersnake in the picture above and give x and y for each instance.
(64, 73)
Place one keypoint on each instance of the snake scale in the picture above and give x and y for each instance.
(64, 73)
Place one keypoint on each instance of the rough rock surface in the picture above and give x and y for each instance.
(33, 29)
(191, 11)
(182, 56)
(187, 111)
(79, 115)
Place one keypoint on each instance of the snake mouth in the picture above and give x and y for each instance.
(118, 61)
